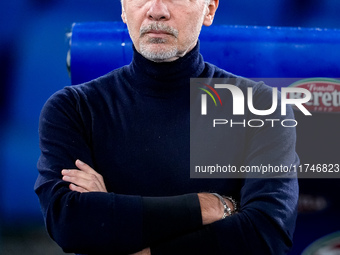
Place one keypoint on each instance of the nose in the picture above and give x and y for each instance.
(158, 11)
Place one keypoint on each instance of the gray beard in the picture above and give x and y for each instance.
(158, 56)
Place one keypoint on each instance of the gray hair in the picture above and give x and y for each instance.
(205, 1)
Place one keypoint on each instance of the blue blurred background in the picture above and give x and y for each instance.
(33, 47)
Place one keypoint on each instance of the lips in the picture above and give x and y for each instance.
(158, 33)
(158, 29)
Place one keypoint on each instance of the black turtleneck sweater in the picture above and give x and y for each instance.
(132, 126)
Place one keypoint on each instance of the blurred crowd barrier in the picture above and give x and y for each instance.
(33, 48)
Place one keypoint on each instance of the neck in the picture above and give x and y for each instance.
(166, 78)
(188, 66)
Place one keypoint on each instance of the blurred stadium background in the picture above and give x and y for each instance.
(33, 47)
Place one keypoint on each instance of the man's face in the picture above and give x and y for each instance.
(164, 30)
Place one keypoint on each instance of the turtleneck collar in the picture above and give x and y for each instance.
(152, 77)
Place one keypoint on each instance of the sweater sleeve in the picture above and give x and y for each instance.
(268, 206)
(95, 222)
(264, 225)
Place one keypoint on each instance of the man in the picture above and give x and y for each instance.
(129, 190)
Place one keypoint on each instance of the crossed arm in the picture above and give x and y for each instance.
(86, 179)
(265, 223)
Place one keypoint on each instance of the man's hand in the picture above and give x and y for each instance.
(211, 208)
(85, 179)
(146, 251)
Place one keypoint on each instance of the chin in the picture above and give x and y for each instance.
(158, 53)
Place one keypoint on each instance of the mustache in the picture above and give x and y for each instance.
(158, 27)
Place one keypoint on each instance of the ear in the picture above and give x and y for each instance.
(123, 15)
(211, 10)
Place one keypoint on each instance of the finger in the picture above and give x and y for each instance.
(90, 184)
(85, 167)
(74, 187)
(77, 174)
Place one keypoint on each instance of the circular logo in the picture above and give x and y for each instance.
(325, 94)
(327, 245)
